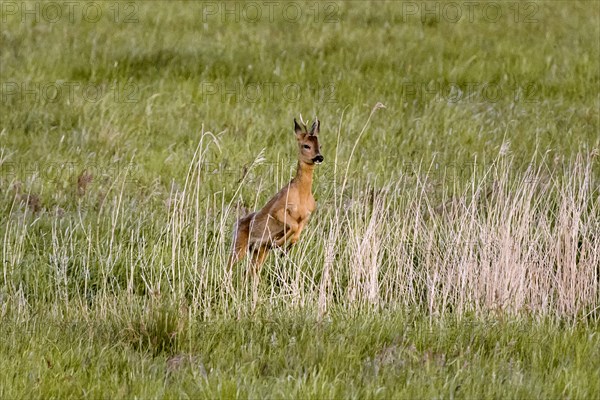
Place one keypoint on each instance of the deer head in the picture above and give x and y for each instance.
(309, 151)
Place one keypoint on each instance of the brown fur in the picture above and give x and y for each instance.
(284, 217)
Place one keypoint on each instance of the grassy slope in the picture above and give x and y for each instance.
(548, 75)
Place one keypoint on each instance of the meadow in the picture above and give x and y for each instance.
(455, 250)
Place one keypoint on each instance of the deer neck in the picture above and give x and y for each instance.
(304, 178)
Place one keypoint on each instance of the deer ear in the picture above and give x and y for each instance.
(298, 128)
(315, 128)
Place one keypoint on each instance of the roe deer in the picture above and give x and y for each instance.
(282, 219)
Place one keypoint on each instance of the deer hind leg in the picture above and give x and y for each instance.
(258, 258)
(240, 244)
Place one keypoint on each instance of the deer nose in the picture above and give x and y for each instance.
(318, 159)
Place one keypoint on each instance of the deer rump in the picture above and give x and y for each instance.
(262, 229)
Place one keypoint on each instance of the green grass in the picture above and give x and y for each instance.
(376, 355)
(454, 252)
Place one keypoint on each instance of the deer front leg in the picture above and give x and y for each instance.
(290, 226)
(294, 238)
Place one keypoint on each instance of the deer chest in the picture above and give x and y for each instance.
(301, 212)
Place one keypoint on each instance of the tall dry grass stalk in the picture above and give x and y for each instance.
(509, 241)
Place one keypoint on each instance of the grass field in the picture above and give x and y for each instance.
(455, 251)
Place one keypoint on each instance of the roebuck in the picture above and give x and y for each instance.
(284, 217)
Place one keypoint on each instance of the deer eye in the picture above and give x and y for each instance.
(306, 146)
